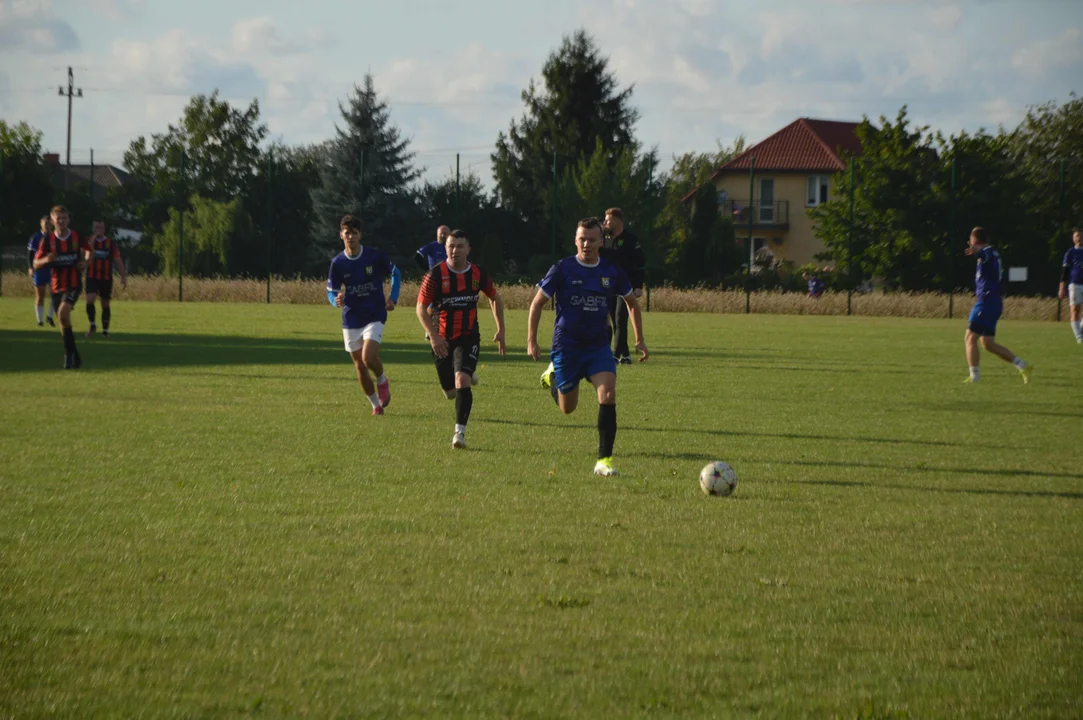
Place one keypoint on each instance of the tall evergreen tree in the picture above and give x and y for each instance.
(579, 105)
(385, 203)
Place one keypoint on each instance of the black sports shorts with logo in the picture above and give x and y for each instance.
(462, 356)
(103, 288)
(70, 296)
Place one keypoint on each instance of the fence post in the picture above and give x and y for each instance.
(361, 180)
(180, 233)
(553, 211)
(951, 239)
(850, 249)
(1, 226)
(270, 217)
(458, 195)
(650, 224)
(751, 215)
(92, 206)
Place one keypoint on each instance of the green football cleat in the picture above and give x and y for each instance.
(604, 467)
(547, 376)
(1025, 372)
(969, 381)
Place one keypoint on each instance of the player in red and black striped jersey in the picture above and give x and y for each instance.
(452, 288)
(103, 255)
(63, 253)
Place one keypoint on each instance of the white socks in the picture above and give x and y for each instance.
(1018, 363)
(381, 380)
(975, 374)
(461, 429)
(374, 398)
(1077, 328)
(39, 313)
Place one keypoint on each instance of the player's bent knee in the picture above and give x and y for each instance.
(986, 341)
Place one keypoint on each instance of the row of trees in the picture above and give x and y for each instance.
(247, 206)
(916, 195)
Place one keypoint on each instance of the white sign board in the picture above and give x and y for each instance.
(1017, 274)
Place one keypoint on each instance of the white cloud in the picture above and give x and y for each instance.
(1039, 58)
(260, 35)
(947, 17)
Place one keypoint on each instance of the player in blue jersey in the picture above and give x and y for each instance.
(982, 325)
(584, 287)
(355, 283)
(1071, 283)
(432, 254)
(40, 278)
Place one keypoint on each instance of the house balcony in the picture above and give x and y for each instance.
(768, 216)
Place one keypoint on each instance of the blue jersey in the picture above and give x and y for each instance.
(987, 275)
(1073, 260)
(433, 253)
(815, 286)
(35, 242)
(363, 278)
(583, 295)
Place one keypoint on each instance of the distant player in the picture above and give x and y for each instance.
(40, 278)
(982, 325)
(1071, 283)
(584, 287)
(622, 247)
(355, 283)
(815, 285)
(62, 252)
(453, 287)
(432, 254)
(103, 256)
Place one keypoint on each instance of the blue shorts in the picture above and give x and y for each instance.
(573, 366)
(984, 316)
(42, 277)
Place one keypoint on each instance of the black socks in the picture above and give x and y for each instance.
(607, 430)
(464, 400)
(105, 317)
(90, 312)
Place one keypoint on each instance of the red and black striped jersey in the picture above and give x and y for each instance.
(455, 297)
(69, 251)
(103, 253)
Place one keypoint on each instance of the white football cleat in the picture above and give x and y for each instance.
(458, 441)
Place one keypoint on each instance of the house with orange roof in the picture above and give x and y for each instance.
(791, 173)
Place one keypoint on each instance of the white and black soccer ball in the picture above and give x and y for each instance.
(717, 478)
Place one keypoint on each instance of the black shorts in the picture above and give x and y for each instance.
(462, 356)
(102, 288)
(68, 296)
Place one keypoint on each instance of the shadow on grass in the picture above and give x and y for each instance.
(728, 433)
(37, 350)
(958, 491)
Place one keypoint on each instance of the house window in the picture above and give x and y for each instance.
(723, 196)
(767, 200)
(816, 190)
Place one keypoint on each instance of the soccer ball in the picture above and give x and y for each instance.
(717, 478)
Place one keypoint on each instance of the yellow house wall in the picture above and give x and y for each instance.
(797, 244)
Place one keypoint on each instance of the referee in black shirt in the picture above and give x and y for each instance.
(623, 248)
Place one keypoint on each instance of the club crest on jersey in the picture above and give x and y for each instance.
(473, 284)
(368, 269)
(445, 284)
(605, 282)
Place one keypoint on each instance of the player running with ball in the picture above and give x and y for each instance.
(584, 287)
(452, 288)
(355, 283)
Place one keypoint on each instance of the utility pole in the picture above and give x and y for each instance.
(71, 92)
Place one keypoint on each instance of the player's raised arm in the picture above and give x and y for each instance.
(636, 316)
(536, 305)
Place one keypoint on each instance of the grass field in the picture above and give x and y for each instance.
(206, 522)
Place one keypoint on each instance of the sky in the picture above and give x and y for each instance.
(703, 71)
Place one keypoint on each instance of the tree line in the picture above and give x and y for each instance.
(248, 206)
